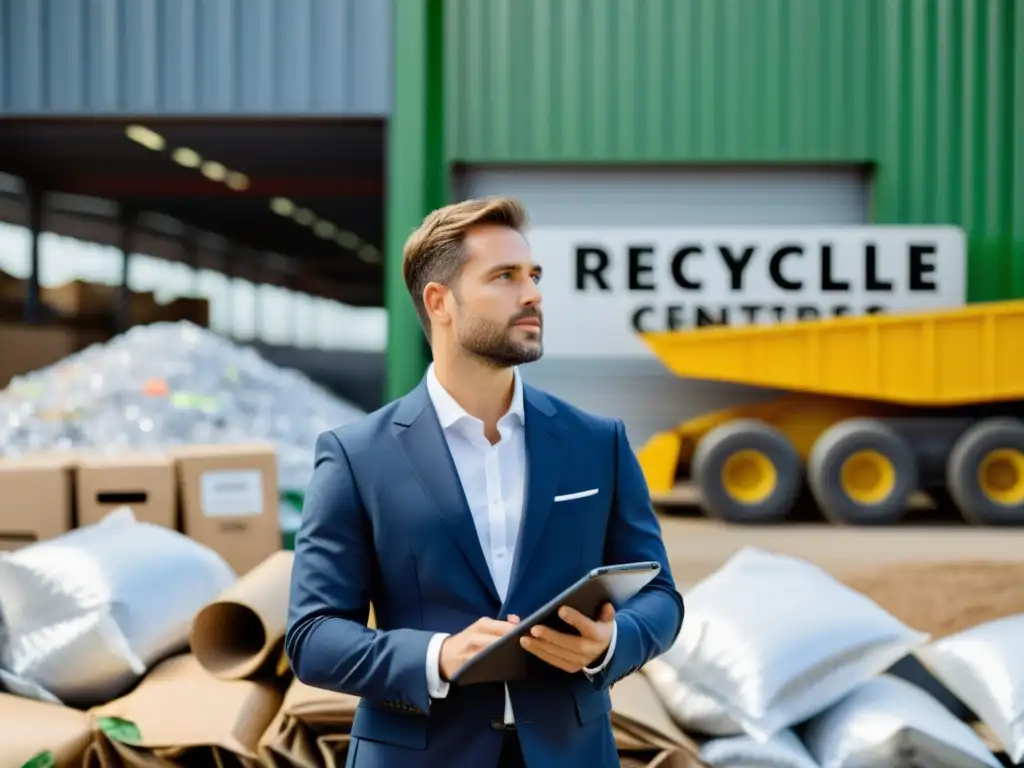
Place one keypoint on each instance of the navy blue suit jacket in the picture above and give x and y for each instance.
(385, 520)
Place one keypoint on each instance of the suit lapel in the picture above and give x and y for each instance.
(426, 449)
(543, 464)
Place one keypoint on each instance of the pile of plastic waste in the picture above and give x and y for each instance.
(170, 384)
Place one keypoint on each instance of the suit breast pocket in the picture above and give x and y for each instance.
(581, 499)
(579, 514)
(588, 493)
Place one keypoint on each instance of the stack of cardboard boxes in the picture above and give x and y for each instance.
(223, 496)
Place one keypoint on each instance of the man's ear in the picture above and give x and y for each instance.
(434, 295)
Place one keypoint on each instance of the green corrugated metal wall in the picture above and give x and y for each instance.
(924, 90)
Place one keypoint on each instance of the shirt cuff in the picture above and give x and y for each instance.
(607, 655)
(436, 688)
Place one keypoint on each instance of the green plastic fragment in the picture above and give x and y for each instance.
(117, 729)
(190, 401)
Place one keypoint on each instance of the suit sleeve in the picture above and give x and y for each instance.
(648, 624)
(327, 640)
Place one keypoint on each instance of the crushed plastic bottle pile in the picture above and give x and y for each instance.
(170, 384)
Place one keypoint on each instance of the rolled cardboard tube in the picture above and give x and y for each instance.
(234, 636)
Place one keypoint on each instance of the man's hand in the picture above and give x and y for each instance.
(457, 649)
(571, 653)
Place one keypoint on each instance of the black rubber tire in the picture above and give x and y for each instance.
(824, 466)
(719, 444)
(975, 506)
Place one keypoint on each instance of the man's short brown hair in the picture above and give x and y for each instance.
(434, 253)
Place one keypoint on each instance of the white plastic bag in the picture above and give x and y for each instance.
(783, 750)
(89, 612)
(26, 689)
(774, 640)
(889, 723)
(692, 711)
(984, 667)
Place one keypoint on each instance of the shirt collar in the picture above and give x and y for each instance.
(449, 411)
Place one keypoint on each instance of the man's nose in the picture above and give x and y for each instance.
(531, 296)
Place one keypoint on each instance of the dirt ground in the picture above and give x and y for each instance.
(936, 579)
(944, 598)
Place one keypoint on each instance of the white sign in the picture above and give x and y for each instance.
(603, 286)
(232, 493)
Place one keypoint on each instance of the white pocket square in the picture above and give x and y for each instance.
(577, 495)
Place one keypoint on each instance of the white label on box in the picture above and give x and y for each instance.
(231, 493)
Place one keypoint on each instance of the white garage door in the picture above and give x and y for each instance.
(638, 389)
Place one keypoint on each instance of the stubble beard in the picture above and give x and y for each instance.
(496, 347)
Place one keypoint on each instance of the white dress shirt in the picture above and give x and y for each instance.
(493, 480)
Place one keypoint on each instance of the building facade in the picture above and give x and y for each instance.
(725, 113)
(188, 58)
(597, 113)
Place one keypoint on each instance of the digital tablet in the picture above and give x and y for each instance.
(506, 659)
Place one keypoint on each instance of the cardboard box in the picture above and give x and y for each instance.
(28, 348)
(229, 500)
(194, 310)
(79, 298)
(145, 482)
(82, 300)
(37, 498)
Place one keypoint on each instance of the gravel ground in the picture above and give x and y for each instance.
(944, 598)
(697, 546)
(936, 579)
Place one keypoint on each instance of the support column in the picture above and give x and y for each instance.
(291, 334)
(124, 299)
(192, 244)
(230, 254)
(417, 175)
(259, 289)
(36, 202)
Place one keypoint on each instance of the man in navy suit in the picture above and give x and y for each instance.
(467, 503)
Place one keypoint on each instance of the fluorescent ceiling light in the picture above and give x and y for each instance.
(282, 206)
(348, 240)
(324, 229)
(237, 181)
(186, 157)
(214, 171)
(150, 139)
(369, 254)
(304, 216)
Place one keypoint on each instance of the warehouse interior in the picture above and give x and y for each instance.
(291, 204)
(303, 190)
